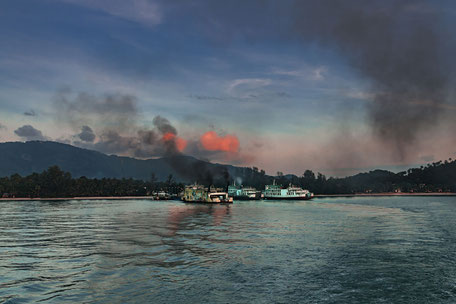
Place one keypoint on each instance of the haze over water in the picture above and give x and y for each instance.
(338, 250)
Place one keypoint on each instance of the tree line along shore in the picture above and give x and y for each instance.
(438, 177)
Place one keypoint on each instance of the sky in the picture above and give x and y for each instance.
(338, 87)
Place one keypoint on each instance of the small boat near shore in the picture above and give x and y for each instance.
(277, 192)
(161, 195)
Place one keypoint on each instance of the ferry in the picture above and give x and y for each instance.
(243, 193)
(161, 195)
(276, 192)
(199, 194)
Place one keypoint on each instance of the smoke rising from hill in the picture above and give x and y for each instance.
(400, 47)
(116, 117)
(109, 124)
(86, 134)
(28, 132)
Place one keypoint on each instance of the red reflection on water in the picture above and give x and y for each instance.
(179, 216)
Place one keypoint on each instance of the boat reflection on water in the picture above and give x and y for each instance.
(190, 216)
(157, 236)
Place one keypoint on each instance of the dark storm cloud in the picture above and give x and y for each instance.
(402, 50)
(28, 132)
(86, 134)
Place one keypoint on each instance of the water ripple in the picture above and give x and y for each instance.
(359, 250)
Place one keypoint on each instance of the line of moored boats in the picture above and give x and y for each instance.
(200, 194)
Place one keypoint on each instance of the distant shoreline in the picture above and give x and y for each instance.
(79, 198)
(387, 194)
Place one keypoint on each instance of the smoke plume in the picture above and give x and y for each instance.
(116, 130)
(114, 118)
(28, 132)
(86, 134)
(163, 125)
(176, 142)
(199, 171)
(115, 111)
(397, 45)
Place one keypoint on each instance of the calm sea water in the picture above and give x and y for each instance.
(344, 250)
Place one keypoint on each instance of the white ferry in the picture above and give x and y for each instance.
(276, 192)
(243, 193)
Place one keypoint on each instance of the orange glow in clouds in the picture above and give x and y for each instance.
(212, 142)
(178, 141)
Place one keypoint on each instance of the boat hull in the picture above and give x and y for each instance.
(245, 198)
(297, 198)
(201, 202)
(208, 201)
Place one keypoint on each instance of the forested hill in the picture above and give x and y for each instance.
(435, 177)
(36, 157)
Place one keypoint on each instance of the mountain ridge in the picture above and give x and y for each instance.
(25, 158)
(37, 156)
